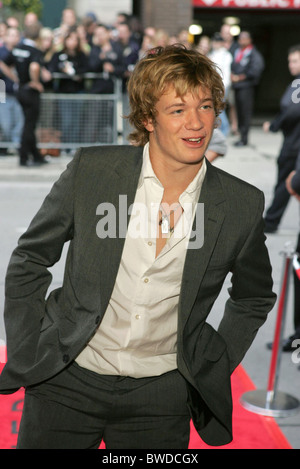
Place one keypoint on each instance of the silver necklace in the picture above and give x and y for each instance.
(164, 221)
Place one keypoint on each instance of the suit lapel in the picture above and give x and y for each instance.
(124, 177)
(197, 260)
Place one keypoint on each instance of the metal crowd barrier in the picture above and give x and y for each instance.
(68, 121)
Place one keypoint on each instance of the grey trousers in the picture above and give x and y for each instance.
(77, 409)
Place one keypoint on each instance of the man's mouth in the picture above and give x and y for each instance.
(194, 140)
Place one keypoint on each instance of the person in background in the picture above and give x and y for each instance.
(247, 67)
(13, 22)
(68, 21)
(137, 31)
(130, 49)
(147, 44)
(288, 122)
(121, 17)
(204, 45)
(130, 54)
(30, 19)
(106, 58)
(184, 38)
(27, 59)
(72, 63)
(229, 41)
(231, 45)
(46, 45)
(89, 24)
(223, 59)
(217, 146)
(161, 38)
(11, 114)
(288, 344)
(84, 43)
(3, 30)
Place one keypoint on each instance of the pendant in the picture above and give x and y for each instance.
(165, 228)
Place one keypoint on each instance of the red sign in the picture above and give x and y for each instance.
(266, 4)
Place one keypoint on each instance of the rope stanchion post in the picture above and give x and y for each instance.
(271, 402)
(3, 356)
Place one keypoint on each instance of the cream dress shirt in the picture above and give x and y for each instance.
(138, 334)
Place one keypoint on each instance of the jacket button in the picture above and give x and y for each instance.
(97, 320)
(66, 358)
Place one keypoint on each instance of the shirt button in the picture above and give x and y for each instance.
(137, 316)
(146, 280)
(66, 358)
(149, 243)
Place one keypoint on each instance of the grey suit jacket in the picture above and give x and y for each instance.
(45, 335)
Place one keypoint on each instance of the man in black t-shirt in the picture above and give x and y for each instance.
(26, 58)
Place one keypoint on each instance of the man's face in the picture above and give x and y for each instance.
(101, 36)
(294, 63)
(12, 37)
(244, 40)
(182, 129)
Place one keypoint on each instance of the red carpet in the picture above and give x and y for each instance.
(251, 431)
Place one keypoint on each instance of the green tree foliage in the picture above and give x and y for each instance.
(25, 6)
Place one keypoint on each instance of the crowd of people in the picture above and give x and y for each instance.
(85, 45)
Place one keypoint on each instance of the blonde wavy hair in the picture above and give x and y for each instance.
(185, 69)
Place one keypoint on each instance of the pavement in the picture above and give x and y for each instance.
(23, 189)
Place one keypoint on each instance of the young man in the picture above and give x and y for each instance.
(122, 351)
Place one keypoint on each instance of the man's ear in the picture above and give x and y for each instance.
(148, 124)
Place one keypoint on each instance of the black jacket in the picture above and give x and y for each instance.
(79, 65)
(251, 65)
(21, 57)
(288, 121)
(96, 62)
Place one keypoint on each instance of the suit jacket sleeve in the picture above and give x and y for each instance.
(28, 277)
(251, 296)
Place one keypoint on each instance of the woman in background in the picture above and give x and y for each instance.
(72, 62)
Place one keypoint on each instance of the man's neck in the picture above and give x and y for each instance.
(174, 179)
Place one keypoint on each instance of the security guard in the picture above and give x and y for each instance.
(26, 58)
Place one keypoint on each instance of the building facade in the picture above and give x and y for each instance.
(170, 15)
(105, 10)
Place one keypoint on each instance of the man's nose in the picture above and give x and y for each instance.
(194, 120)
